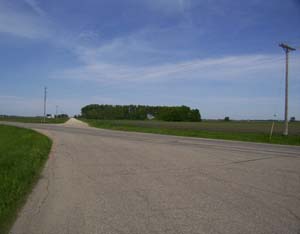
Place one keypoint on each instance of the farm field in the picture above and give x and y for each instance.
(23, 153)
(253, 131)
(32, 119)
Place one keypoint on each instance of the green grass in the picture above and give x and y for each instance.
(32, 119)
(253, 131)
(23, 153)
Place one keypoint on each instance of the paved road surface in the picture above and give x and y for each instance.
(101, 181)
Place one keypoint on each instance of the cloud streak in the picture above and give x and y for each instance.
(225, 68)
(169, 6)
(36, 7)
(14, 20)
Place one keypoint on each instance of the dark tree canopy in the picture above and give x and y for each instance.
(227, 118)
(139, 112)
(62, 116)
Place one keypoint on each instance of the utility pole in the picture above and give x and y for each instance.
(286, 49)
(45, 103)
(56, 111)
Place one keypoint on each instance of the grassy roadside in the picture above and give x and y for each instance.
(216, 130)
(33, 119)
(23, 153)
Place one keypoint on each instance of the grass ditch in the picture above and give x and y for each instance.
(254, 131)
(23, 153)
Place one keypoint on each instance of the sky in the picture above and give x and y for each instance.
(221, 57)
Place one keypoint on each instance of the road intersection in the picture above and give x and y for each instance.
(102, 181)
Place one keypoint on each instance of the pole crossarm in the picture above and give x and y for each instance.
(286, 47)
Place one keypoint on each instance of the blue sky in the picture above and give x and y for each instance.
(219, 56)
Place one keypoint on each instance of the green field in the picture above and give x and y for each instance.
(253, 131)
(32, 119)
(23, 153)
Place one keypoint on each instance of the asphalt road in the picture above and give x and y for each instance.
(101, 181)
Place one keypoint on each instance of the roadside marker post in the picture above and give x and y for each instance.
(272, 127)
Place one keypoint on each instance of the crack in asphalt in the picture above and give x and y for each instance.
(253, 160)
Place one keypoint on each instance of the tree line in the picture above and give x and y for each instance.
(140, 112)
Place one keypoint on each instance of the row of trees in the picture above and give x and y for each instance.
(139, 112)
(62, 116)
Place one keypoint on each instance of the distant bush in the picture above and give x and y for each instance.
(226, 118)
(292, 119)
(139, 112)
(62, 116)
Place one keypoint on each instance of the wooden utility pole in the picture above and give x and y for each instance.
(56, 109)
(45, 103)
(286, 49)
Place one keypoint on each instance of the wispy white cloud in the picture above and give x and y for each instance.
(120, 50)
(169, 6)
(35, 7)
(16, 21)
(135, 59)
(225, 68)
(147, 45)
